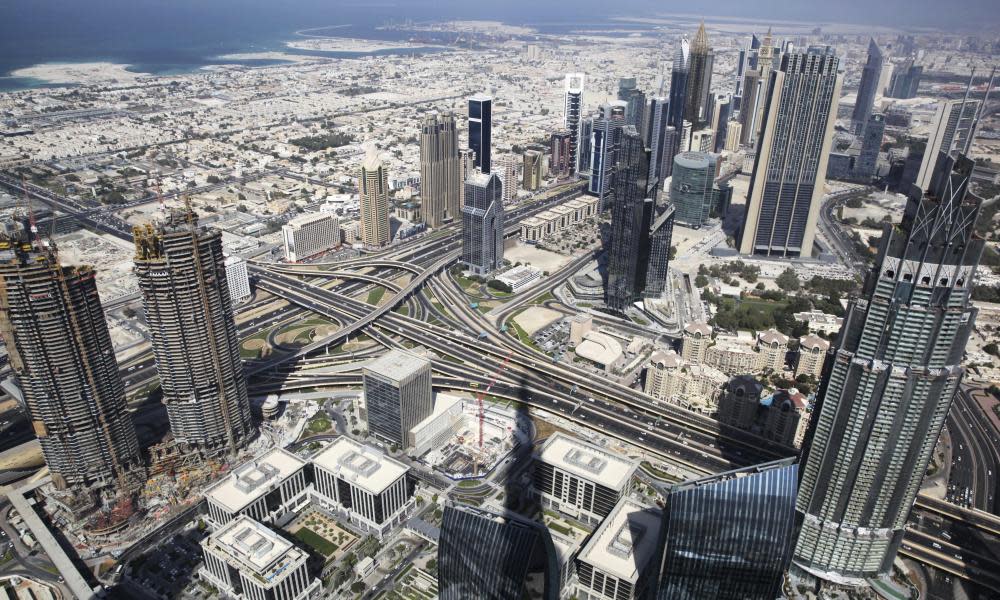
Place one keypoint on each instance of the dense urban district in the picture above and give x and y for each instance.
(686, 310)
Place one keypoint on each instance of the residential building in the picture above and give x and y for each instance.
(868, 88)
(584, 147)
(786, 186)
(579, 479)
(734, 355)
(531, 170)
(558, 218)
(896, 369)
(773, 346)
(238, 279)
(811, 356)
(310, 234)
(398, 395)
(481, 130)
(373, 187)
(673, 380)
(734, 131)
(618, 562)
(245, 560)
(264, 488)
(482, 224)
(466, 167)
(181, 273)
(508, 178)
(692, 187)
(694, 345)
(573, 113)
(561, 157)
(722, 106)
(699, 80)
(62, 358)
(752, 84)
(631, 217)
(866, 167)
(605, 143)
(729, 536)
(440, 171)
(740, 402)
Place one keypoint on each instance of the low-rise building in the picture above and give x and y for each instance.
(553, 220)
(600, 349)
(618, 561)
(520, 277)
(811, 356)
(264, 489)
(734, 355)
(247, 561)
(360, 482)
(579, 479)
(438, 427)
(820, 322)
(580, 324)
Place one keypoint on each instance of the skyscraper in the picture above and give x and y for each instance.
(699, 81)
(729, 536)
(489, 553)
(692, 187)
(660, 138)
(953, 123)
(481, 130)
(508, 178)
(482, 224)
(182, 276)
(605, 141)
(748, 110)
(896, 367)
(585, 145)
(64, 362)
(635, 102)
(573, 113)
(373, 188)
(678, 84)
(560, 150)
(871, 143)
(790, 167)
(721, 109)
(867, 89)
(905, 81)
(631, 216)
(439, 169)
(660, 240)
(398, 395)
(531, 170)
(466, 166)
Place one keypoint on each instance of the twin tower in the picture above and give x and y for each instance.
(62, 356)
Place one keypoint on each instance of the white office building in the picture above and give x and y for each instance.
(362, 484)
(310, 234)
(238, 279)
(617, 561)
(437, 429)
(265, 489)
(247, 561)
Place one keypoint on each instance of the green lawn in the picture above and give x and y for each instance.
(375, 295)
(469, 483)
(316, 541)
(521, 334)
(402, 310)
(318, 424)
(543, 298)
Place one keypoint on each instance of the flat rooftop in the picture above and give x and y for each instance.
(625, 542)
(306, 219)
(265, 552)
(364, 466)
(253, 479)
(397, 365)
(442, 404)
(587, 461)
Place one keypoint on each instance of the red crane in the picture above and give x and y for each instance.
(479, 396)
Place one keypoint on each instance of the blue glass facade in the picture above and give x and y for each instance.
(480, 130)
(729, 536)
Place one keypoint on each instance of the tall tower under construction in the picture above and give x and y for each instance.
(182, 275)
(62, 357)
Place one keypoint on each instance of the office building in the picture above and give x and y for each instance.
(631, 217)
(481, 130)
(811, 356)
(247, 561)
(905, 81)
(363, 484)
(531, 175)
(746, 59)
(699, 81)
(561, 158)
(786, 187)
(678, 84)
(238, 279)
(62, 358)
(579, 479)
(265, 489)
(694, 345)
(440, 172)
(618, 562)
(749, 103)
(866, 166)
(584, 148)
(867, 89)
(896, 368)
(373, 188)
(721, 110)
(605, 143)
(573, 114)
(635, 102)
(734, 132)
(398, 395)
(466, 167)
(949, 135)
(482, 224)
(660, 139)
(487, 552)
(692, 187)
(310, 234)
(182, 276)
(508, 178)
(729, 536)
(661, 235)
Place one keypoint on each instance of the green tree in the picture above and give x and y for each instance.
(700, 281)
(788, 281)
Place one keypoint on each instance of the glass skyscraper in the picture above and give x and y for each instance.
(481, 130)
(729, 536)
(482, 223)
(896, 367)
(605, 141)
(692, 187)
(631, 216)
(574, 111)
(867, 89)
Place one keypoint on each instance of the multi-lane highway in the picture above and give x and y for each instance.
(975, 447)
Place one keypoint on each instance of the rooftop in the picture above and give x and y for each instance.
(587, 461)
(364, 466)
(442, 404)
(668, 359)
(703, 328)
(397, 364)
(625, 542)
(253, 479)
(308, 218)
(599, 347)
(265, 552)
(813, 341)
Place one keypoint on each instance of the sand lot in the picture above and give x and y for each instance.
(537, 318)
(527, 254)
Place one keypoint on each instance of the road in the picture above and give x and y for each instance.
(975, 454)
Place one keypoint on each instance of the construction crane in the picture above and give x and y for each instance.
(33, 225)
(479, 400)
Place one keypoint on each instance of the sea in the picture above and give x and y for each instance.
(170, 37)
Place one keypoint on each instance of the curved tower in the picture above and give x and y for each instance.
(182, 275)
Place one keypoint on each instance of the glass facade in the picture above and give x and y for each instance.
(480, 130)
(729, 536)
(631, 216)
(482, 224)
(691, 187)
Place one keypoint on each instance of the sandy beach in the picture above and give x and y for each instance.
(81, 73)
(333, 44)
